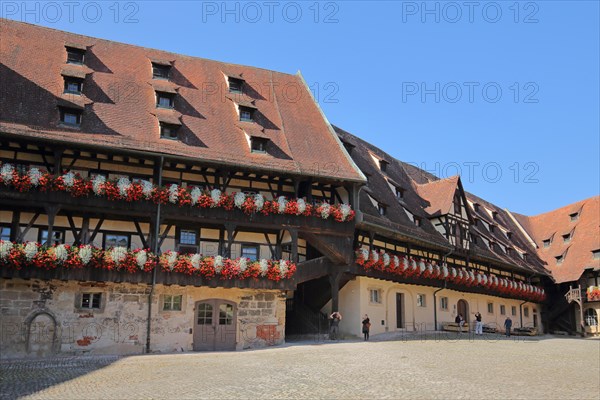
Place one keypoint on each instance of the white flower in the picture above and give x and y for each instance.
(365, 254)
(375, 255)
(386, 259)
(195, 260)
(123, 184)
(97, 184)
(7, 173)
(195, 195)
(5, 248)
(345, 209)
(404, 263)
(430, 268)
(438, 270)
(239, 199)
(471, 276)
(147, 188)
(173, 193)
(141, 258)
(301, 206)
(281, 203)
(34, 176)
(485, 279)
(243, 264)
(421, 266)
(283, 268)
(413, 264)
(218, 264)
(259, 201)
(215, 195)
(264, 267)
(118, 254)
(172, 259)
(396, 262)
(85, 253)
(453, 272)
(31, 250)
(60, 252)
(69, 179)
(325, 210)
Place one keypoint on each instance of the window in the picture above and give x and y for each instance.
(160, 71)
(69, 116)
(566, 238)
(165, 100)
(399, 193)
(258, 145)
(490, 308)
(574, 217)
(205, 314)
(75, 56)
(250, 251)
(509, 235)
(502, 309)
(417, 221)
(547, 242)
(421, 300)
(596, 254)
(246, 114)
(58, 236)
(526, 311)
(492, 228)
(375, 296)
(168, 131)
(225, 314)
(457, 206)
(590, 317)
(91, 300)
(381, 209)
(188, 237)
(559, 259)
(115, 240)
(443, 303)
(172, 302)
(73, 85)
(4, 233)
(235, 85)
(513, 310)
(476, 206)
(495, 215)
(383, 165)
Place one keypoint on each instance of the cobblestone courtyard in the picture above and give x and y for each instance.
(549, 368)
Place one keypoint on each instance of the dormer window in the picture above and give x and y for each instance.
(547, 242)
(75, 55)
(494, 215)
(160, 71)
(383, 165)
(381, 209)
(566, 238)
(73, 85)
(258, 144)
(349, 147)
(168, 131)
(165, 100)
(476, 206)
(399, 193)
(596, 254)
(559, 259)
(417, 221)
(70, 116)
(574, 217)
(492, 228)
(509, 251)
(235, 85)
(509, 235)
(246, 114)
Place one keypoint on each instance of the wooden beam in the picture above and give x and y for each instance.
(29, 225)
(84, 232)
(15, 228)
(163, 236)
(96, 230)
(73, 228)
(140, 233)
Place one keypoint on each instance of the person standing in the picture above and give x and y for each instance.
(460, 321)
(478, 324)
(366, 326)
(507, 325)
(335, 318)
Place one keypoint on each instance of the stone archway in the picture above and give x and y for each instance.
(462, 307)
(41, 338)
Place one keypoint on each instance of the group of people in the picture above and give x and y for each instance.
(336, 317)
(479, 324)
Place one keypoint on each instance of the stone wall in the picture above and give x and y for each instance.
(41, 318)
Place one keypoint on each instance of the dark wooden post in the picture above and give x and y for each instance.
(57, 168)
(15, 229)
(294, 234)
(230, 228)
(51, 211)
(334, 282)
(84, 233)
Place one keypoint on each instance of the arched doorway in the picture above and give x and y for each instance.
(463, 308)
(41, 334)
(215, 325)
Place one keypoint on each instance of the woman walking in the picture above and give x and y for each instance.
(366, 326)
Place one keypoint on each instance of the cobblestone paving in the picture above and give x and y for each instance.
(423, 367)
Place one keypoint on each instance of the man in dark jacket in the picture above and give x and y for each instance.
(508, 325)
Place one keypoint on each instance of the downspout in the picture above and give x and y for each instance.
(521, 312)
(156, 266)
(435, 322)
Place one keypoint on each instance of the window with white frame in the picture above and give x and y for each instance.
(513, 310)
(526, 311)
(172, 302)
(590, 317)
(443, 303)
(375, 296)
(91, 300)
(421, 302)
(502, 309)
(490, 307)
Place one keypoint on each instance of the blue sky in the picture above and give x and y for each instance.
(505, 93)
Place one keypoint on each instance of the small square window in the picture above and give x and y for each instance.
(476, 206)
(172, 302)
(559, 259)
(526, 311)
(116, 240)
(258, 145)
(417, 221)
(251, 252)
(490, 307)
(188, 237)
(574, 217)
(566, 238)
(69, 116)
(399, 193)
(375, 296)
(165, 100)
(160, 71)
(91, 300)
(73, 85)
(4, 233)
(495, 215)
(596, 254)
(235, 85)
(547, 242)
(513, 310)
(383, 165)
(246, 114)
(443, 303)
(58, 236)
(75, 56)
(421, 300)
(492, 228)
(169, 131)
(502, 309)
(381, 209)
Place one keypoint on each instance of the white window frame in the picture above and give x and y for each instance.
(421, 300)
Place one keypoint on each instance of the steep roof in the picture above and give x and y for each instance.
(439, 194)
(581, 237)
(119, 104)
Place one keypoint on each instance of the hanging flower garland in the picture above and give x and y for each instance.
(415, 267)
(34, 255)
(124, 189)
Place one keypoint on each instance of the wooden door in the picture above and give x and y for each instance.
(463, 308)
(215, 325)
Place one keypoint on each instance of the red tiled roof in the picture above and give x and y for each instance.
(121, 109)
(578, 251)
(439, 194)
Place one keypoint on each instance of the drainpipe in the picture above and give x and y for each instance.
(521, 312)
(439, 290)
(155, 250)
